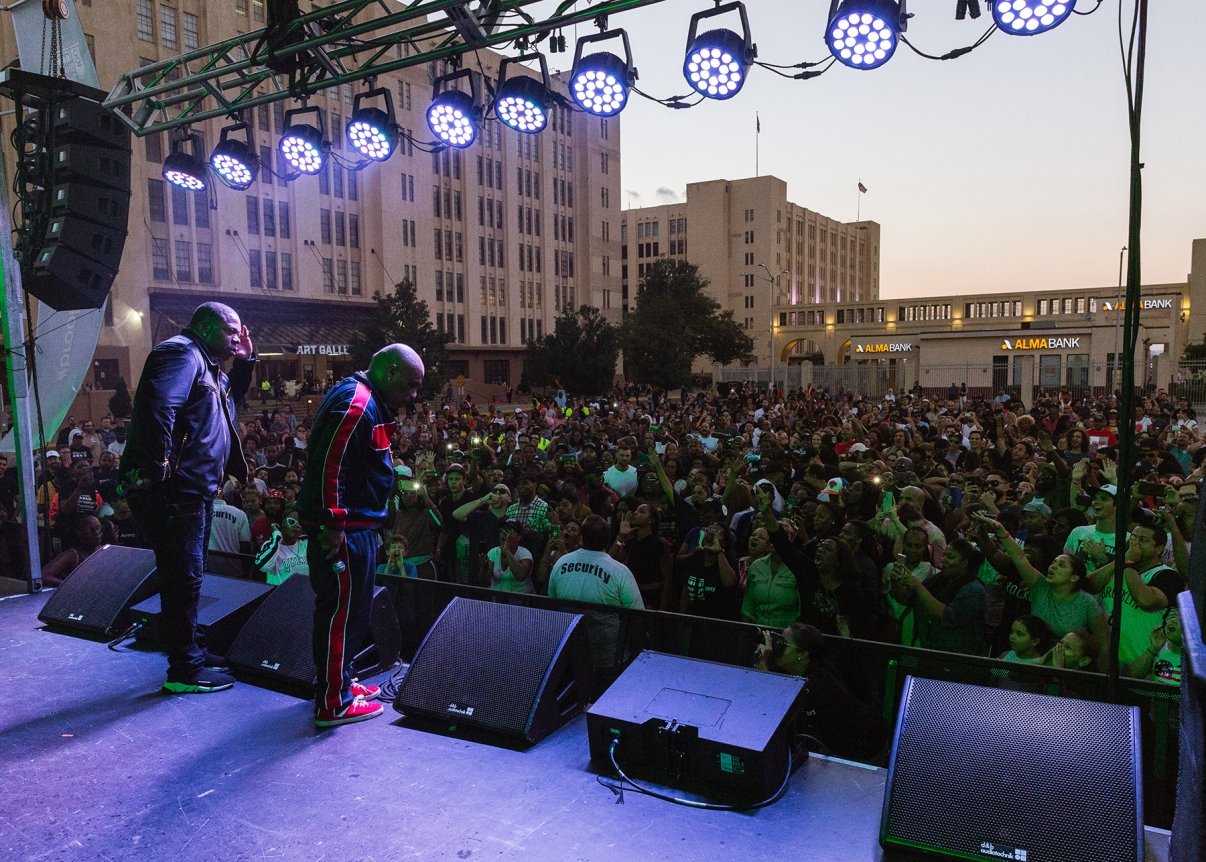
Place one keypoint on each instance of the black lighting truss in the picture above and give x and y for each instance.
(342, 43)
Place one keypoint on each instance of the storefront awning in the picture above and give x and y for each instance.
(279, 326)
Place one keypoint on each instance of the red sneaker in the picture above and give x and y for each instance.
(357, 710)
(363, 691)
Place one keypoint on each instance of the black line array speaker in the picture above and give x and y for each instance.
(276, 644)
(78, 155)
(223, 609)
(699, 724)
(96, 598)
(1189, 826)
(987, 773)
(507, 669)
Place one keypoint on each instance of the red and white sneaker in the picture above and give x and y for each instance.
(364, 691)
(357, 710)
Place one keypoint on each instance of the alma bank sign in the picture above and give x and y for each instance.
(1144, 304)
(874, 347)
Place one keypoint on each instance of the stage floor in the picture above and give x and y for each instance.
(97, 764)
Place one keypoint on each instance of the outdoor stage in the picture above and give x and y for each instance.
(97, 764)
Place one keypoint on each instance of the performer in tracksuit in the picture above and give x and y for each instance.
(343, 499)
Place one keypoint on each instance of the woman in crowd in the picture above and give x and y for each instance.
(832, 716)
(1057, 598)
(510, 563)
(949, 605)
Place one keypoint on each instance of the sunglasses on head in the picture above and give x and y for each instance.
(292, 522)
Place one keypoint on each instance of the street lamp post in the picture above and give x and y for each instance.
(774, 294)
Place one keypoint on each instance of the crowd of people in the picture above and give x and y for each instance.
(958, 523)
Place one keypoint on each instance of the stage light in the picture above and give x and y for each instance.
(718, 61)
(302, 145)
(234, 162)
(454, 115)
(185, 169)
(522, 103)
(863, 34)
(1030, 17)
(600, 82)
(373, 132)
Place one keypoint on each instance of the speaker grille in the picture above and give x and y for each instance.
(277, 640)
(484, 663)
(988, 773)
(94, 596)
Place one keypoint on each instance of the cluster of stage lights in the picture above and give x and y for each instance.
(370, 131)
(862, 34)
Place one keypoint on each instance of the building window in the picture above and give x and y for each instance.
(497, 371)
(357, 288)
(269, 218)
(253, 214)
(282, 221)
(205, 263)
(146, 23)
(340, 229)
(270, 270)
(286, 271)
(179, 206)
(192, 32)
(167, 26)
(154, 145)
(255, 267)
(324, 225)
(158, 201)
(159, 259)
(328, 275)
(201, 208)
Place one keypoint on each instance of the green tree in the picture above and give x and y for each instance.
(402, 317)
(580, 353)
(1195, 351)
(674, 322)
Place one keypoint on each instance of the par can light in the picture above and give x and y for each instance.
(1030, 17)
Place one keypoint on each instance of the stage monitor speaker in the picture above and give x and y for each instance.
(689, 722)
(507, 669)
(988, 773)
(223, 609)
(96, 598)
(1189, 825)
(276, 644)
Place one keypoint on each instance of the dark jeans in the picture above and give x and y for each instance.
(342, 601)
(177, 529)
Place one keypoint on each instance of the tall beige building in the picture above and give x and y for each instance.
(758, 251)
(498, 238)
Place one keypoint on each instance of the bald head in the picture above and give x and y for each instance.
(396, 372)
(218, 327)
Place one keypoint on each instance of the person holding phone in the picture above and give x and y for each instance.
(510, 563)
(284, 554)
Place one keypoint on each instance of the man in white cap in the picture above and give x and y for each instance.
(1096, 542)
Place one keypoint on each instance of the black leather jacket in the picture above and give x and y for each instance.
(182, 432)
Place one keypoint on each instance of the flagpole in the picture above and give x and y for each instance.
(757, 141)
(858, 208)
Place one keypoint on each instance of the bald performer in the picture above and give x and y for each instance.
(343, 501)
(183, 441)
